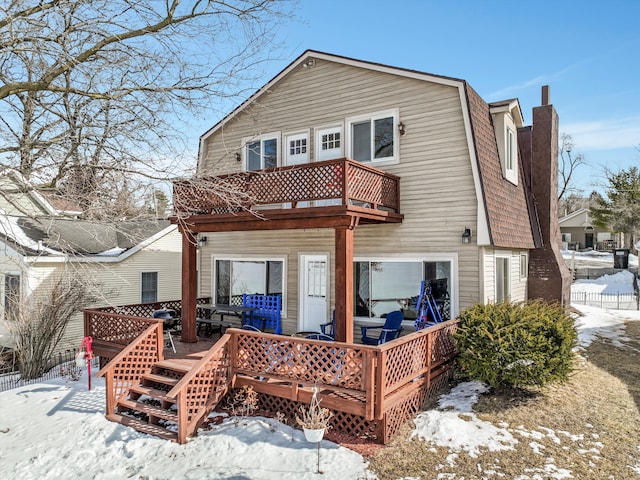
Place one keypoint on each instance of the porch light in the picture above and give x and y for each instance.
(238, 157)
(202, 241)
(466, 235)
(401, 128)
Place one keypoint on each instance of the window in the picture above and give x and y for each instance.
(511, 151)
(503, 290)
(373, 138)
(261, 152)
(235, 277)
(524, 263)
(329, 143)
(297, 149)
(11, 297)
(384, 286)
(149, 287)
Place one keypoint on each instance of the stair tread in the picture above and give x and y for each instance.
(143, 427)
(177, 364)
(152, 392)
(152, 410)
(154, 377)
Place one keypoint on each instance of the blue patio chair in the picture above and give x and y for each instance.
(320, 336)
(390, 330)
(329, 328)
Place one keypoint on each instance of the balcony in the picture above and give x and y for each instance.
(334, 188)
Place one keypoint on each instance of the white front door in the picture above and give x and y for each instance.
(313, 292)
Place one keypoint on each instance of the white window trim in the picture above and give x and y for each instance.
(441, 257)
(265, 136)
(395, 113)
(510, 162)
(240, 258)
(524, 273)
(318, 141)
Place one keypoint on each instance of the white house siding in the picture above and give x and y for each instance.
(438, 198)
(518, 286)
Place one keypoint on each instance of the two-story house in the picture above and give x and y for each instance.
(342, 184)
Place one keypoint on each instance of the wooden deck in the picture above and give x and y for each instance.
(372, 390)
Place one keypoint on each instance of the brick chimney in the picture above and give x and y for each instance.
(549, 277)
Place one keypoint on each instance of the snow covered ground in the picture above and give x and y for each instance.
(57, 429)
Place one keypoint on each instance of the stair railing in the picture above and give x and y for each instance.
(128, 366)
(202, 387)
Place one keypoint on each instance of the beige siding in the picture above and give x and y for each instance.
(438, 197)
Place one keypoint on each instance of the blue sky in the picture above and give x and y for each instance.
(587, 51)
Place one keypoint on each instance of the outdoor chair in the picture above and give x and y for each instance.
(251, 328)
(389, 331)
(320, 336)
(329, 328)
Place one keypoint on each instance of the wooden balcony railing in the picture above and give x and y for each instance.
(328, 183)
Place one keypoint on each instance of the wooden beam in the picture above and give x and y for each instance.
(189, 287)
(344, 283)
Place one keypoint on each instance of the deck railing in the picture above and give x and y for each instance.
(332, 182)
(386, 384)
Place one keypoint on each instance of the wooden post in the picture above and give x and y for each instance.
(189, 287)
(344, 283)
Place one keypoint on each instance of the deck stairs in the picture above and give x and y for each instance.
(147, 408)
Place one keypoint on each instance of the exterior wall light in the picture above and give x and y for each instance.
(202, 241)
(466, 235)
(401, 128)
(238, 157)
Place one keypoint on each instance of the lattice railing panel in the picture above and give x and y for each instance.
(208, 384)
(443, 343)
(127, 368)
(405, 362)
(298, 359)
(302, 183)
(403, 411)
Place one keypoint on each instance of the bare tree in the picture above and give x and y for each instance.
(568, 163)
(93, 92)
(38, 324)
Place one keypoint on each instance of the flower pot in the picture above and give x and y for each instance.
(313, 434)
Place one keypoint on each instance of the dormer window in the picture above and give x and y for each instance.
(507, 118)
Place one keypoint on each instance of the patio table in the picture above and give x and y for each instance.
(222, 310)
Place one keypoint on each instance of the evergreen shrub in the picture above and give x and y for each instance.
(516, 344)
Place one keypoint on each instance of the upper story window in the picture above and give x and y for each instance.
(373, 138)
(261, 152)
(510, 151)
(11, 297)
(507, 118)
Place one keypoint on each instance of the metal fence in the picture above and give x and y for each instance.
(60, 365)
(618, 301)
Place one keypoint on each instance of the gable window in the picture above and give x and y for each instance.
(261, 152)
(149, 287)
(383, 286)
(503, 286)
(373, 138)
(235, 277)
(329, 143)
(297, 149)
(11, 297)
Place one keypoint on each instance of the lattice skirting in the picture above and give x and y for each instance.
(379, 431)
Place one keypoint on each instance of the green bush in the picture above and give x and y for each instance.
(516, 344)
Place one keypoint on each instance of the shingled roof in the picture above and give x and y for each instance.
(53, 236)
(508, 227)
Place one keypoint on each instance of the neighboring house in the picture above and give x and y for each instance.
(579, 233)
(124, 263)
(377, 178)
